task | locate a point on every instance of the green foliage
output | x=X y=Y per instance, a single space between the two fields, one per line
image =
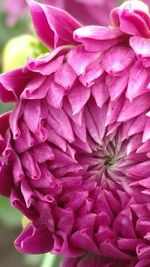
x=5 y=107
x=8 y=215
x=7 y=32
x=50 y=260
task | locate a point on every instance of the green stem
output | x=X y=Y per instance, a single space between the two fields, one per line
x=50 y=261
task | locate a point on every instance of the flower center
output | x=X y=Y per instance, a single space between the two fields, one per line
x=109 y=161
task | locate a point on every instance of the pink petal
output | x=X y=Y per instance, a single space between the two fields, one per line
x=132 y=18
x=79 y=59
x=137 y=125
x=97 y=38
x=34 y=240
x=116 y=85
x=52 y=25
x=55 y=95
x=60 y=122
x=32 y=115
x=114 y=109
x=82 y=240
x=100 y=93
x=78 y=97
x=33 y=91
x=117 y=59
x=138 y=81
x=131 y=110
x=12 y=84
x=141 y=46
x=141 y=169
x=146 y=133
x=65 y=76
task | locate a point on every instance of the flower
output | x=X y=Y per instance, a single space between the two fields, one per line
x=75 y=154
x=88 y=12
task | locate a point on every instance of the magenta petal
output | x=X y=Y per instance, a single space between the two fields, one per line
x=97 y=33
x=46 y=64
x=131 y=110
x=64 y=128
x=143 y=263
x=141 y=169
x=84 y=241
x=117 y=59
x=4 y=123
x=136 y=86
x=116 y=85
x=96 y=261
x=53 y=26
x=141 y=46
x=55 y=95
x=78 y=98
x=132 y=17
x=12 y=84
x=100 y=93
x=146 y=133
x=33 y=89
x=97 y=38
x=69 y=262
x=34 y=240
x=65 y=76
x=6 y=181
x=34 y=122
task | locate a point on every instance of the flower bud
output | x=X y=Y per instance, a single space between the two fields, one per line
x=18 y=49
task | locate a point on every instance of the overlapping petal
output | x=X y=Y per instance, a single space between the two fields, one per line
x=53 y=26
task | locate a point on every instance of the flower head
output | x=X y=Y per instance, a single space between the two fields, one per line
x=75 y=154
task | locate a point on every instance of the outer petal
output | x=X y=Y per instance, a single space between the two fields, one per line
x=141 y=47
x=133 y=18
x=34 y=240
x=5 y=181
x=5 y=175
x=97 y=38
x=53 y=26
x=12 y=84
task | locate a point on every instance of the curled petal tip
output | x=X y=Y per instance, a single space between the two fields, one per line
x=132 y=17
x=136 y=5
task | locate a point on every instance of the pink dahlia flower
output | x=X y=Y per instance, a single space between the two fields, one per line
x=87 y=11
x=75 y=151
